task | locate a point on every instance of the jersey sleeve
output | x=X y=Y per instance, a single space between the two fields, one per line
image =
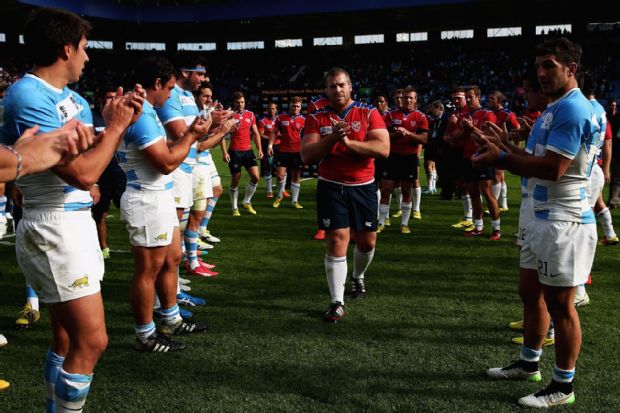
x=312 y=125
x=171 y=110
x=565 y=134
x=423 y=125
x=375 y=120
x=144 y=132
x=512 y=122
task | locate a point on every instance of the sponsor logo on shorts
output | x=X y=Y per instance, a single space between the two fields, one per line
x=162 y=237
x=198 y=194
x=79 y=283
x=177 y=199
x=326 y=222
x=356 y=126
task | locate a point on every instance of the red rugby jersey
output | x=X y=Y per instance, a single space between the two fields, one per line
x=317 y=104
x=290 y=126
x=342 y=165
x=241 y=139
x=415 y=122
x=478 y=117
x=507 y=117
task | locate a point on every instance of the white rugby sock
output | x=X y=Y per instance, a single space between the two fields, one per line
x=295 y=188
x=281 y=186
x=336 y=272
x=417 y=197
x=497 y=189
x=268 y=184
x=384 y=210
x=496 y=224
x=361 y=262
x=250 y=188
x=404 y=218
x=234 y=194
x=467 y=209
x=71 y=391
x=503 y=196
x=604 y=218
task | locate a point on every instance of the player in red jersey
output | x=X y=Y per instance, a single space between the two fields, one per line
x=290 y=126
x=397 y=101
x=508 y=119
x=476 y=181
x=313 y=106
x=344 y=138
x=408 y=129
x=240 y=154
x=454 y=156
x=266 y=130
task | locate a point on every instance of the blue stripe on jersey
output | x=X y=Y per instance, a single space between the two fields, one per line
x=192 y=153
x=77 y=206
x=68 y=188
x=186 y=168
x=583 y=193
x=588 y=217
x=121 y=157
x=134 y=185
x=169 y=185
x=542 y=214
x=540 y=193
x=131 y=175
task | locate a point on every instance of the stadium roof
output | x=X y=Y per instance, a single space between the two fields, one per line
x=210 y=10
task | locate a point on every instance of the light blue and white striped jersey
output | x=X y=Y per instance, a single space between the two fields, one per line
x=142 y=134
x=569 y=128
x=32 y=101
x=601 y=118
x=181 y=105
x=530 y=145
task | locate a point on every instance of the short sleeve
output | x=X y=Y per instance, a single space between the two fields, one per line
x=375 y=120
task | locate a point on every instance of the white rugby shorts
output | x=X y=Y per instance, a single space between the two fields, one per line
x=562 y=252
x=149 y=216
x=59 y=254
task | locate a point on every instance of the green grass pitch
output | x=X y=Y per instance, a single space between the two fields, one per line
x=434 y=320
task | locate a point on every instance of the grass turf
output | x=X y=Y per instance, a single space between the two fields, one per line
x=435 y=318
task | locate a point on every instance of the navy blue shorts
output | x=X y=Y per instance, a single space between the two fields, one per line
x=239 y=159
x=401 y=168
x=112 y=184
x=289 y=160
x=341 y=206
x=471 y=174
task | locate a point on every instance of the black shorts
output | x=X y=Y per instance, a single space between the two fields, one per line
x=267 y=161
x=239 y=159
x=431 y=152
x=471 y=174
x=289 y=160
x=112 y=185
x=341 y=206
x=401 y=168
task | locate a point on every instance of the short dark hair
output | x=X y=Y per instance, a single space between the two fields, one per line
x=335 y=71
x=397 y=92
x=409 y=89
x=436 y=104
x=48 y=30
x=186 y=61
x=205 y=85
x=295 y=99
x=500 y=96
x=563 y=49
x=238 y=95
x=475 y=88
x=152 y=68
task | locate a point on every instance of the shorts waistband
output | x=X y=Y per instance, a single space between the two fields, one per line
x=43 y=215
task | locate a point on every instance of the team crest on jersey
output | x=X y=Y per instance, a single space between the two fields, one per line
x=187 y=100
x=326 y=130
x=326 y=222
x=547 y=120
x=413 y=123
x=356 y=125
